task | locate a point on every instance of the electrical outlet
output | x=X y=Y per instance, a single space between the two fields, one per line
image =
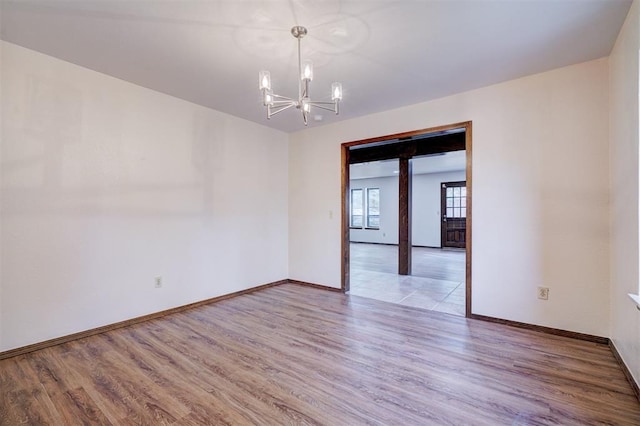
x=158 y=282
x=543 y=293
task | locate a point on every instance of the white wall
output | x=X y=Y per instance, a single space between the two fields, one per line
x=425 y=214
x=624 y=74
x=106 y=185
x=540 y=182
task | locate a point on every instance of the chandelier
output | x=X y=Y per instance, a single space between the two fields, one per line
x=276 y=103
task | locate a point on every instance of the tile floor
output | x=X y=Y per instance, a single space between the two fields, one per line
x=437 y=282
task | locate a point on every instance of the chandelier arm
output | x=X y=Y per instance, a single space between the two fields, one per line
x=283 y=103
x=284 y=98
x=322 y=105
x=314 y=103
x=279 y=108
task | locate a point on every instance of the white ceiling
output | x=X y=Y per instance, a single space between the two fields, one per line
x=446 y=162
x=387 y=54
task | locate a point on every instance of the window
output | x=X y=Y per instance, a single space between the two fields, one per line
x=357 y=209
x=456 y=199
x=373 y=208
x=365 y=208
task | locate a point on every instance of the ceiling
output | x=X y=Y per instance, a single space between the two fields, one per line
x=387 y=54
x=452 y=161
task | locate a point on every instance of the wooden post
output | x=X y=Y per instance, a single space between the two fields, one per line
x=404 y=217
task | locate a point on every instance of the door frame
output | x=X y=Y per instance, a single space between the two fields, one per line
x=345 y=153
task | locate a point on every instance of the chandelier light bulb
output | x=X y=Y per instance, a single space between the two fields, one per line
x=336 y=92
x=265 y=80
x=307 y=70
x=306 y=106
x=268 y=97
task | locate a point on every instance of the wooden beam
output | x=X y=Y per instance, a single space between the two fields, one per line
x=408 y=148
x=404 y=217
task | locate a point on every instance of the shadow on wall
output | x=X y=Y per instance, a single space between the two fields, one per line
x=61 y=156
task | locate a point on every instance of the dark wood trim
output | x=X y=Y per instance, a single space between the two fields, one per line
x=404 y=135
x=82 y=334
x=469 y=236
x=345 y=222
x=404 y=216
x=625 y=369
x=543 y=329
x=320 y=286
x=426 y=145
x=443 y=200
x=467 y=125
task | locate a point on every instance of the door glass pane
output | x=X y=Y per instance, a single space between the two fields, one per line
x=449 y=192
x=456 y=202
x=449 y=212
x=464 y=212
x=449 y=202
x=463 y=191
x=464 y=202
x=456 y=192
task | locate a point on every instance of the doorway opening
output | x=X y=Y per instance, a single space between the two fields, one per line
x=404 y=236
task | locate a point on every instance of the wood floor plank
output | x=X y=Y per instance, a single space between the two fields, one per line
x=185 y=391
x=296 y=387
x=24 y=405
x=296 y=355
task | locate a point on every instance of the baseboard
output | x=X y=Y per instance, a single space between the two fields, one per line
x=542 y=329
x=574 y=335
x=367 y=242
x=625 y=369
x=413 y=245
x=320 y=286
x=80 y=335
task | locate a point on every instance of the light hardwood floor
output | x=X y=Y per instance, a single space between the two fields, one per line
x=437 y=281
x=298 y=355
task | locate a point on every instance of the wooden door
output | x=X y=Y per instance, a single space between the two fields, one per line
x=454 y=214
